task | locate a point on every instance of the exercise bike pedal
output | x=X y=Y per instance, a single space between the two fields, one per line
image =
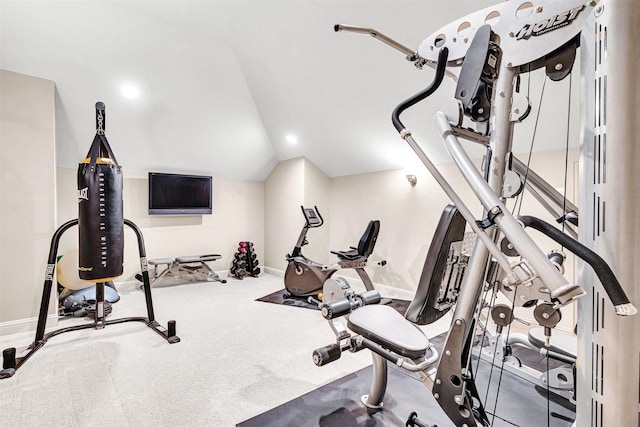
x=317 y=299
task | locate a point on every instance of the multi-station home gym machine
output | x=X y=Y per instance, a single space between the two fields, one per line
x=101 y=239
x=500 y=44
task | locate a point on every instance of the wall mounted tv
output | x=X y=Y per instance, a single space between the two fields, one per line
x=178 y=194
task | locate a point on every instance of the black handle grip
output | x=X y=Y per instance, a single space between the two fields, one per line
x=327 y=354
x=600 y=267
x=336 y=308
x=435 y=84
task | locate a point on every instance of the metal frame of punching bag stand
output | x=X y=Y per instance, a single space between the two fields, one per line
x=11 y=362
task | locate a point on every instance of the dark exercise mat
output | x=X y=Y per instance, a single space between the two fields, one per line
x=338 y=403
x=278 y=298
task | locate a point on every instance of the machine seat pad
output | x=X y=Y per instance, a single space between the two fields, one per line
x=561 y=342
x=201 y=258
x=161 y=261
x=383 y=325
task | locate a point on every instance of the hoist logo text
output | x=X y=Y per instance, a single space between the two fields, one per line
x=550 y=24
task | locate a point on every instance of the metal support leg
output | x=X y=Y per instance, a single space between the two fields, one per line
x=99 y=313
x=373 y=400
x=12 y=360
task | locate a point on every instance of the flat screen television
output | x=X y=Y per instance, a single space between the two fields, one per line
x=178 y=194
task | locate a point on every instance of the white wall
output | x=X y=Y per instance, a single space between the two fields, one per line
x=317 y=190
x=284 y=194
x=294 y=183
x=238 y=208
x=27 y=196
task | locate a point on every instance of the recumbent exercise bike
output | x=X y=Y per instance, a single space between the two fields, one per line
x=304 y=278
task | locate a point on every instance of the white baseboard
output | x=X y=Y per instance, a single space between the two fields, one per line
x=273 y=271
x=26 y=325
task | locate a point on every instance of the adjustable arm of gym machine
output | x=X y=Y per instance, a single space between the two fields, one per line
x=405 y=134
x=606 y=276
x=331 y=353
x=396 y=359
x=411 y=55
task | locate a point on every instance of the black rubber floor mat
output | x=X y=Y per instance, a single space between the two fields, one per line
x=338 y=404
x=278 y=297
x=520 y=403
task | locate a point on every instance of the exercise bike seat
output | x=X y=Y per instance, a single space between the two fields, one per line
x=365 y=246
x=348 y=255
x=383 y=325
x=563 y=343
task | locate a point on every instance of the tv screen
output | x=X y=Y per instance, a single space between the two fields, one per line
x=177 y=194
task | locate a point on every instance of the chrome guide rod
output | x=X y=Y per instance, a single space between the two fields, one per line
x=559 y=287
x=501 y=132
x=376 y=35
x=536 y=181
x=464 y=210
x=411 y=54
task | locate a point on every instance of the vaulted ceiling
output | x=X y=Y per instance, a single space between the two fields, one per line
x=222 y=83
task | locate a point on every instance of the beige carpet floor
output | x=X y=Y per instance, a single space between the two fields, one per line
x=237 y=358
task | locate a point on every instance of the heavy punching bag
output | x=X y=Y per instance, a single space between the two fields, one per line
x=100 y=209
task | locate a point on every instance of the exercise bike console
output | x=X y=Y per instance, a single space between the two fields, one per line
x=313 y=217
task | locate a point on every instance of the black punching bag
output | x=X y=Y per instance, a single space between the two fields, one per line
x=100 y=213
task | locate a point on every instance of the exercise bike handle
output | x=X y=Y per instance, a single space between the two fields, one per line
x=307 y=217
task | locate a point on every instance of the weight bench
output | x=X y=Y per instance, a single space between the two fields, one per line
x=191 y=265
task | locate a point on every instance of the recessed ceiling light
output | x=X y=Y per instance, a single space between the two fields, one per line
x=291 y=139
x=130 y=91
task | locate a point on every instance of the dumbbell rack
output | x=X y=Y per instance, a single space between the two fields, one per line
x=245 y=261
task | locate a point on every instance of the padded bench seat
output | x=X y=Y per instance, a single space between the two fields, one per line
x=385 y=326
x=201 y=258
x=161 y=261
x=185 y=264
